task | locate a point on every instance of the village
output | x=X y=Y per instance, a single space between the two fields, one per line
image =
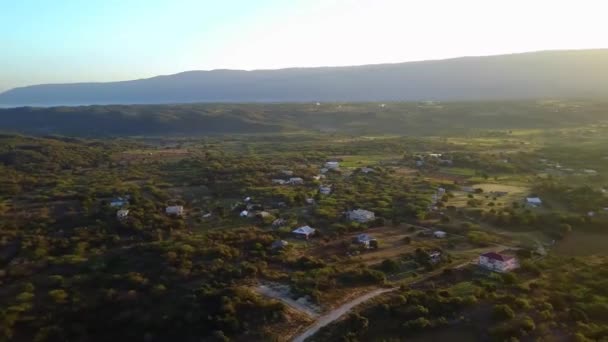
x=320 y=233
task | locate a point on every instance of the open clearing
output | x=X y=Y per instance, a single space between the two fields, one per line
x=582 y=244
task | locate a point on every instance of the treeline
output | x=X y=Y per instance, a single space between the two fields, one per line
x=411 y=118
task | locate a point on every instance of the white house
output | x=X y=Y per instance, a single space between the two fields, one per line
x=361 y=215
x=440 y=234
x=175 y=210
x=332 y=165
x=278 y=181
x=244 y=213
x=296 y=181
x=304 y=232
x=498 y=262
x=325 y=189
x=534 y=201
x=122 y=214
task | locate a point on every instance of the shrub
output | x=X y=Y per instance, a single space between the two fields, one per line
x=503 y=311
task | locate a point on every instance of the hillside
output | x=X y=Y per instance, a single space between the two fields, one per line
x=407 y=118
x=551 y=74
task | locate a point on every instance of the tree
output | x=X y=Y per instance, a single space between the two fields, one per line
x=58 y=295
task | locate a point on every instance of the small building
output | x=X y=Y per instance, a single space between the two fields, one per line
x=332 y=165
x=287 y=172
x=244 y=213
x=325 y=189
x=367 y=170
x=366 y=241
x=310 y=200
x=435 y=257
x=263 y=214
x=279 y=181
x=324 y=170
x=498 y=262
x=119 y=202
x=175 y=210
x=296 y=181
x=534 y=201
x=247 y=199
x=361 y=215
x=279 y=222
x=439 y=234
x=304 y=232
x=279 y=244
x=122 y=214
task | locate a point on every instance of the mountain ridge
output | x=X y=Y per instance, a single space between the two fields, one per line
x=543 y=74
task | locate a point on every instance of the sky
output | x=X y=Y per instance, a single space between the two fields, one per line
x=60 y=41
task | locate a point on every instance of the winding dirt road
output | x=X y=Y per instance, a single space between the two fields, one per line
x=338 y=312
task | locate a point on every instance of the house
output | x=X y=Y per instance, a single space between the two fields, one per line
x=119 y=202
x=332 y=165
x=122 y=214
x=278 y=181
x=304 y=232
x=247 y=199
x=324 y=170
x=419 y=163
x=175 y=210
x=590 y=172
x=319 y=177
x=287 y=172
x=325 y=189
x=244 y=213
x=310 y=200
x=263 y=214
x=435 y=257
x=439 y=234
x=279 y=222
x=279 y=244
x=366 y=241
x=498 y=262
x=367 y=170
x=296 y=181
x=361 y=215
x=533 y=201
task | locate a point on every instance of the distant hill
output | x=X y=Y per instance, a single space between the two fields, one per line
x=401 y=118
x=549 y=74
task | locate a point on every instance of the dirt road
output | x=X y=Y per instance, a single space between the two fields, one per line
x=337 y=313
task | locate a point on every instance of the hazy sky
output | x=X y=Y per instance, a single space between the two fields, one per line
x=50 y=41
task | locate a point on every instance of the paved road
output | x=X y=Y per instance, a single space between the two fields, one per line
x=337 y=313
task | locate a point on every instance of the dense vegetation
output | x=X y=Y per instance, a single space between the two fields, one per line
x=415 y=118
x=555 y=299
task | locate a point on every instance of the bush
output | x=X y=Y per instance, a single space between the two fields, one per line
x=502 y=312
